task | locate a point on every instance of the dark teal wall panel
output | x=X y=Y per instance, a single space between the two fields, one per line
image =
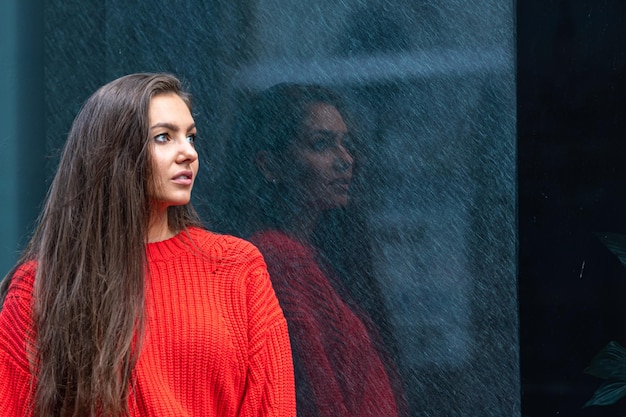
x=8 y=120
x=22 y=141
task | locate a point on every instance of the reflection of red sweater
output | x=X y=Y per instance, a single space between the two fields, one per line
x=339 y=372
x=216 y=341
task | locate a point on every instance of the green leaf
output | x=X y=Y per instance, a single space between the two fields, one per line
x=616 y=242
x=610 y=362
x=609 y=393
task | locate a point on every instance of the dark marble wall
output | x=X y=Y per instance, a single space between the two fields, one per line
x=433 y=85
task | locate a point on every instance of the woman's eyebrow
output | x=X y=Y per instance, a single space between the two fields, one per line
x=327 y=132
x=171 y=126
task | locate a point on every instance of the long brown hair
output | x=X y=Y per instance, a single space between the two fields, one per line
x=90 y=250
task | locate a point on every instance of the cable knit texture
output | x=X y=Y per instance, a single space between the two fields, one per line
x=215 y=344
x=339 y=371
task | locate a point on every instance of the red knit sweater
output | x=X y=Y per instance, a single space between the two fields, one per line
x=215 y=343
x=339 y=370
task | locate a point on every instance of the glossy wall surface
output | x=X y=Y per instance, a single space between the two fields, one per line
x=433 y=88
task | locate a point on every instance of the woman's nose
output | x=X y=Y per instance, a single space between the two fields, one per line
x=343 y=158
x=187 y=152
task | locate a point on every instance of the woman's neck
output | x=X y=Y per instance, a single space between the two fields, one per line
x=159 y=228
x=299 y=224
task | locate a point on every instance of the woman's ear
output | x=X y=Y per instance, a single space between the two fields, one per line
x=266 y=162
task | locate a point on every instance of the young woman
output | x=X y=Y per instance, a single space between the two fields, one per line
x=122 y=304
x=296 y=161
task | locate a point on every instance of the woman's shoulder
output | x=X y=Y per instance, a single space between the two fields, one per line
x=278 y=243
x=222 y=244
x=19 y=294
x=23 y=277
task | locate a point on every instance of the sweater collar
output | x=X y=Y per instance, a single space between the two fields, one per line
x=172 y=247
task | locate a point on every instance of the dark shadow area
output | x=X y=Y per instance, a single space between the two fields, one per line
x=572 y=183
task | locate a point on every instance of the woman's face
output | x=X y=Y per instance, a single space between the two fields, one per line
x=318 y=164
x=175 y=160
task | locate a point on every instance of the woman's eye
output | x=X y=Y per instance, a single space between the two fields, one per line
x=349 y=144
x=191 y=138
x=161 y=138
x=322 y=144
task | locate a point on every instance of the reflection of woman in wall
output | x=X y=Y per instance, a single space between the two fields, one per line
x=296 y=161
x=122 y=305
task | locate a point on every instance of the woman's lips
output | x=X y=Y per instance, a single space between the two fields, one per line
x=183 y=178
x=342 y=183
